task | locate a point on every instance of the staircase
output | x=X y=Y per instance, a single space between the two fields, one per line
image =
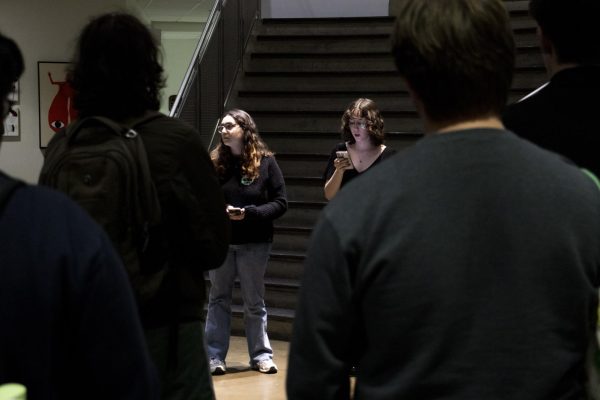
x=298 y=77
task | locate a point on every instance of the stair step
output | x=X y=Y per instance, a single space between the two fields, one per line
x=522 y=24
x=291 y=238
x=529 y=57
x=303 y=45
x=326 y=121
x=354 y=63
x=302 y=142
x=530 y=79
x=300 y=213
x=284 y=266
x=327 y=26
x=299 y=44
x=354 y=54
x=362 y=82
x=517 y=7
x=305 y=188
x=302 y=102
x=302 y=164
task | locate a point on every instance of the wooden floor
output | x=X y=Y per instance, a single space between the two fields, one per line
x=242 y=383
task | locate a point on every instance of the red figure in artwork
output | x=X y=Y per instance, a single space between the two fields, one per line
x=61 y=110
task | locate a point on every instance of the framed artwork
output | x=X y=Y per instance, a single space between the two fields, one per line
x=55 y=99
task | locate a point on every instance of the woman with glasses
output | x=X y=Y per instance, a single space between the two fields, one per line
x=362 y=132
x=255 y=195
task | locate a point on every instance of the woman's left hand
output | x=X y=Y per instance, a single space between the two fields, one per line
x=236 y=215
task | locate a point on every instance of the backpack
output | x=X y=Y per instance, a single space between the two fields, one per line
x=103 y=166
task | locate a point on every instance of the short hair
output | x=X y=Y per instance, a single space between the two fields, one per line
x=11 y=66
x=368 y=110
x=457 y=55
x=571 y=26
x=116 y=71
x=252 y=153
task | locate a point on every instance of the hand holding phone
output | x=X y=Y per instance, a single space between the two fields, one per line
x=235 y=213
x=342 y=160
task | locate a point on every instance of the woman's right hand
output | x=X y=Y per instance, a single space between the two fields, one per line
x=342 y=163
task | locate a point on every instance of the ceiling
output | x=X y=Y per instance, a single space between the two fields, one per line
x=184 y=11
x=176 y=19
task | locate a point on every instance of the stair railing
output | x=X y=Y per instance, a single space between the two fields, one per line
x=211 y=74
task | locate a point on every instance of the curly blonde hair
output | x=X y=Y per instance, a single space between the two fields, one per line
x=254 y=148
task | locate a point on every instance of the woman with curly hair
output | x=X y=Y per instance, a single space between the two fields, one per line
x=362 y=132
x=255 y=195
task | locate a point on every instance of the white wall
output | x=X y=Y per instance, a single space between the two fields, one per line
x=323 y=8
x=177 y=54
x=45 y=31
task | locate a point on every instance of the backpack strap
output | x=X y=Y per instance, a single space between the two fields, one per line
x=73 y=129
x=8 y=186
x=118 y=128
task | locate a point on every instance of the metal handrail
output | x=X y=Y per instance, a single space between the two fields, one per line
x=192 y=70
x=203 y=67
x=534 y=92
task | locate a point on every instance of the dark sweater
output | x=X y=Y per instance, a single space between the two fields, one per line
x=563 y=116
x=465 y=267
x=264 y=200
x=69 y=327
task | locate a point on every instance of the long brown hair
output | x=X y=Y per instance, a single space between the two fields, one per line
x=254 y=148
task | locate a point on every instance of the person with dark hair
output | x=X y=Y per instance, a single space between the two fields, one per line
x=116 y=73
x=70 y=328
x=363 y=146
x=471 y=264
x=255 y=196
x=561 y=116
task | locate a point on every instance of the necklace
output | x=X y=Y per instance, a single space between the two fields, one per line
x=246 y=181
x=364 y=153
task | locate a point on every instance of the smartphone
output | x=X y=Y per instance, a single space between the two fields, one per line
x=234 y=211
x=341 y=154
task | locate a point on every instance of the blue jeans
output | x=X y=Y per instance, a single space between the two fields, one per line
x=248 y=262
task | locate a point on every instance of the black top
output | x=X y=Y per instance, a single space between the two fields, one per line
x=351 y=173
x=563 y=116
x=264 y=200
x=465 y=267
x=69 y=327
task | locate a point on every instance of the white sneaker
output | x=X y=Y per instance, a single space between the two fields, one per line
x=217 y=367
x=265 y=366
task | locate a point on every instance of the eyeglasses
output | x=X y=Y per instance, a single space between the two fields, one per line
x=360 y=123
x=226 y=127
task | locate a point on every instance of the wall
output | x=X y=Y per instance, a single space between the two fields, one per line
x=178 y=49
x=45 y=31
x=321 y=8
